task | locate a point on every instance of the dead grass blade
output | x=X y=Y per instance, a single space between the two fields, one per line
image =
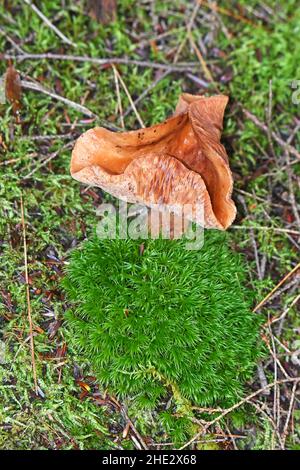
x=28 y=299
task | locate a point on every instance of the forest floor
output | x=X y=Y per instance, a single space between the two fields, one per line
x=243 y=49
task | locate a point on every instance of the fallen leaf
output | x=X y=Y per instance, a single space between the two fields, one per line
x=13 y=90
x=57 y=354
x=103 y=11
x=84 y=386
x=83 y=395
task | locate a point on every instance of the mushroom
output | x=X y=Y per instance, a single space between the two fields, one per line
x=180 y=161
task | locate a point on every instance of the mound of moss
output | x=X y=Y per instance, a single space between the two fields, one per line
x=164 y=318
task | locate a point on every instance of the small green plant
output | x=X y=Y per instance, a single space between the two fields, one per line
x=164 y=318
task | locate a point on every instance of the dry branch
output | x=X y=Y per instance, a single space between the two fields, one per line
x=279 y=140
x=49 y=24
x=295 y=269
x=237 y=405
x=179 y=67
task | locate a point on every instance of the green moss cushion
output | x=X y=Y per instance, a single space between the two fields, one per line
x=164 y=316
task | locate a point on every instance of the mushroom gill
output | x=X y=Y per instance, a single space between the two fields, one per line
x=179 y=161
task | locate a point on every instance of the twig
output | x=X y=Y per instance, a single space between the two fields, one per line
x=253 y=240
x=237 y=405
x=38 y=138
x=283 y=346
x=48 y=159
x=276 y=398
x=180 y=67
x=49 y=24
x=269 y=119
x=294 y=133
x=145 y=92
x=271 y=421
x=227 y=33
x=207 y=410
x=206 y=70
x=35 y=87
x=141 y=440
x=295 y=269
x=169 y=69
x=118 y=96
x=257 y=227
x=278 y=139
x=123 y=411
x=231 y=14
x=272 y=221
x=153 y=15
x=262 y=378
x=276 y=360
x=232 y=437
x=136 y=442
x=189 y=37
x=8 y=162
x=258 y=198
x=288 y=286
x=292 y=401
x=148 y=40
x=202 y=83
x=291 y=191
x=285 y=312
x=12 y=42
x=130 y=99
x=28 y=298
x=189 y=27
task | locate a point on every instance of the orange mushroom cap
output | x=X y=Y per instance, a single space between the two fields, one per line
x=180 y=161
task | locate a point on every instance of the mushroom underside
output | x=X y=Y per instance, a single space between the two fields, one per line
x=150 y=165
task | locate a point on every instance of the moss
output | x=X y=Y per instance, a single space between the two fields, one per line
x=59 y=214
x=169 y=316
